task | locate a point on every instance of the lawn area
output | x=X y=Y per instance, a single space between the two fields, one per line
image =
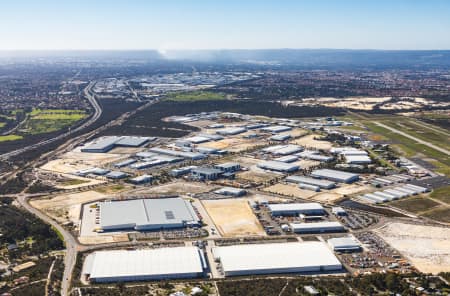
x=442 y=194
x=196 y=96
x=416 y=204
x=10 y=138
x=48 y=120
x=2 y=124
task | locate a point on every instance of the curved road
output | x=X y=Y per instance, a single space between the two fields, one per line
x=97 y=114
x=72 y=245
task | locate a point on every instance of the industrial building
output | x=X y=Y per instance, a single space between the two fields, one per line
x=143 y=265
x=324 y=184
x=275 y=258
x=105 y=144
x=116 y=175
x=228 y=167
x=335 y=175
x=147 y=214
x=283 y=149
x=280 y=138
x=205 y=173
x=276 y=129
x=316 y=227
x=125 y=163
x=141 y=179
x=357 y=159
x=287 y=158
x=278 y=166
x=182 y=171
x=344 y=244
x=176 y=153
x=230 y=131
x=231 y=191
x=294 y=209
x=394 y=193
x=314 y=155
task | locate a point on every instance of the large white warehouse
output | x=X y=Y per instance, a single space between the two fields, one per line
x=316 y=227
x=147 y=214
x=148 y=264
x=272 y=258
x=335 y=175
x=291 y=209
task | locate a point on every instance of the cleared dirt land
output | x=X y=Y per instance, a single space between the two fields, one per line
x=178 y=187
x=66 y=207
x=427 y=247
x=290 y=190
x=309 y=142
x=233 y=217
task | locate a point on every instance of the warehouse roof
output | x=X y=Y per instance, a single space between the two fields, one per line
x=311 y=206
x=109 y=142
x=142 y=212
x=149 y=262
x=267 y=258
x=311 y=181
x=341 y=243
x=278 y=166
x=276 y=128
x=327 y=173
x=316 y=225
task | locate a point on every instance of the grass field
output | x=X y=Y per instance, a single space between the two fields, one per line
x=48 y=120
x=409 y=147
x=196 y=96
x=440 y=214
x=442 y=194
x=10 y=138
x=415 y=204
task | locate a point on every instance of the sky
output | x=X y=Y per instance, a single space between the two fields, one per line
x=223 y=24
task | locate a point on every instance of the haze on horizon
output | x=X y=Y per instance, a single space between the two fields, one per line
x=202 y=24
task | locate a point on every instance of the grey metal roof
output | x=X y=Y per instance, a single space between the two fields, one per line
x=311 y=181
x=146 y=212
x=327 y=173
x=278 y=166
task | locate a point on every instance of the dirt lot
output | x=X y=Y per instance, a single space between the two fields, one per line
x=233 y=144
x=66 y=207
x=309 y=142
x=74 y=182
x=427 y=247
x=327 y=197
x=233 y=217
x=291 y=190
x=178 y=187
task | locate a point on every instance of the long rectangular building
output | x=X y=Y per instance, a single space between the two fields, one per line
x=142 y=265
x=335 y=175
x=311 y=181
x=316 y=227
x=290 y=209
x=276 y=258
x=147 y=214
x=278 y=166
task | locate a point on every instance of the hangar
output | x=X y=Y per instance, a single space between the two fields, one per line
x=146 y=264
x=147 y=214
x=273 y=258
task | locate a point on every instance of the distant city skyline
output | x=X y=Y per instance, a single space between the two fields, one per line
x=202 y=24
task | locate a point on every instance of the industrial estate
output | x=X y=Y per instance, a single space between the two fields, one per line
x=198 y=185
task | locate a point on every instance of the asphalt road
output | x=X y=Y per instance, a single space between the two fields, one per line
x=440 y=149
x=94 y=117
x=72 y=245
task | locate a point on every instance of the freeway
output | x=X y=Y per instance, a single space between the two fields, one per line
x=91 y=120
x=440 y=149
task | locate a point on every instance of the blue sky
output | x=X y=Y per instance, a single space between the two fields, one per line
x=214 y=24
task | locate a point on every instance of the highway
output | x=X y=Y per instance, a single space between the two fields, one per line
x=440 y=149
x=91 y=120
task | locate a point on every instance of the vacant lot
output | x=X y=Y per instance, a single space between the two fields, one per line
x=309 y=142
x=427 y=247
x=66 y=207
x=196 y=96
x=416 y=204
x=442 y=194
x=290 y=190
x=233 y=217
x=440 y=214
